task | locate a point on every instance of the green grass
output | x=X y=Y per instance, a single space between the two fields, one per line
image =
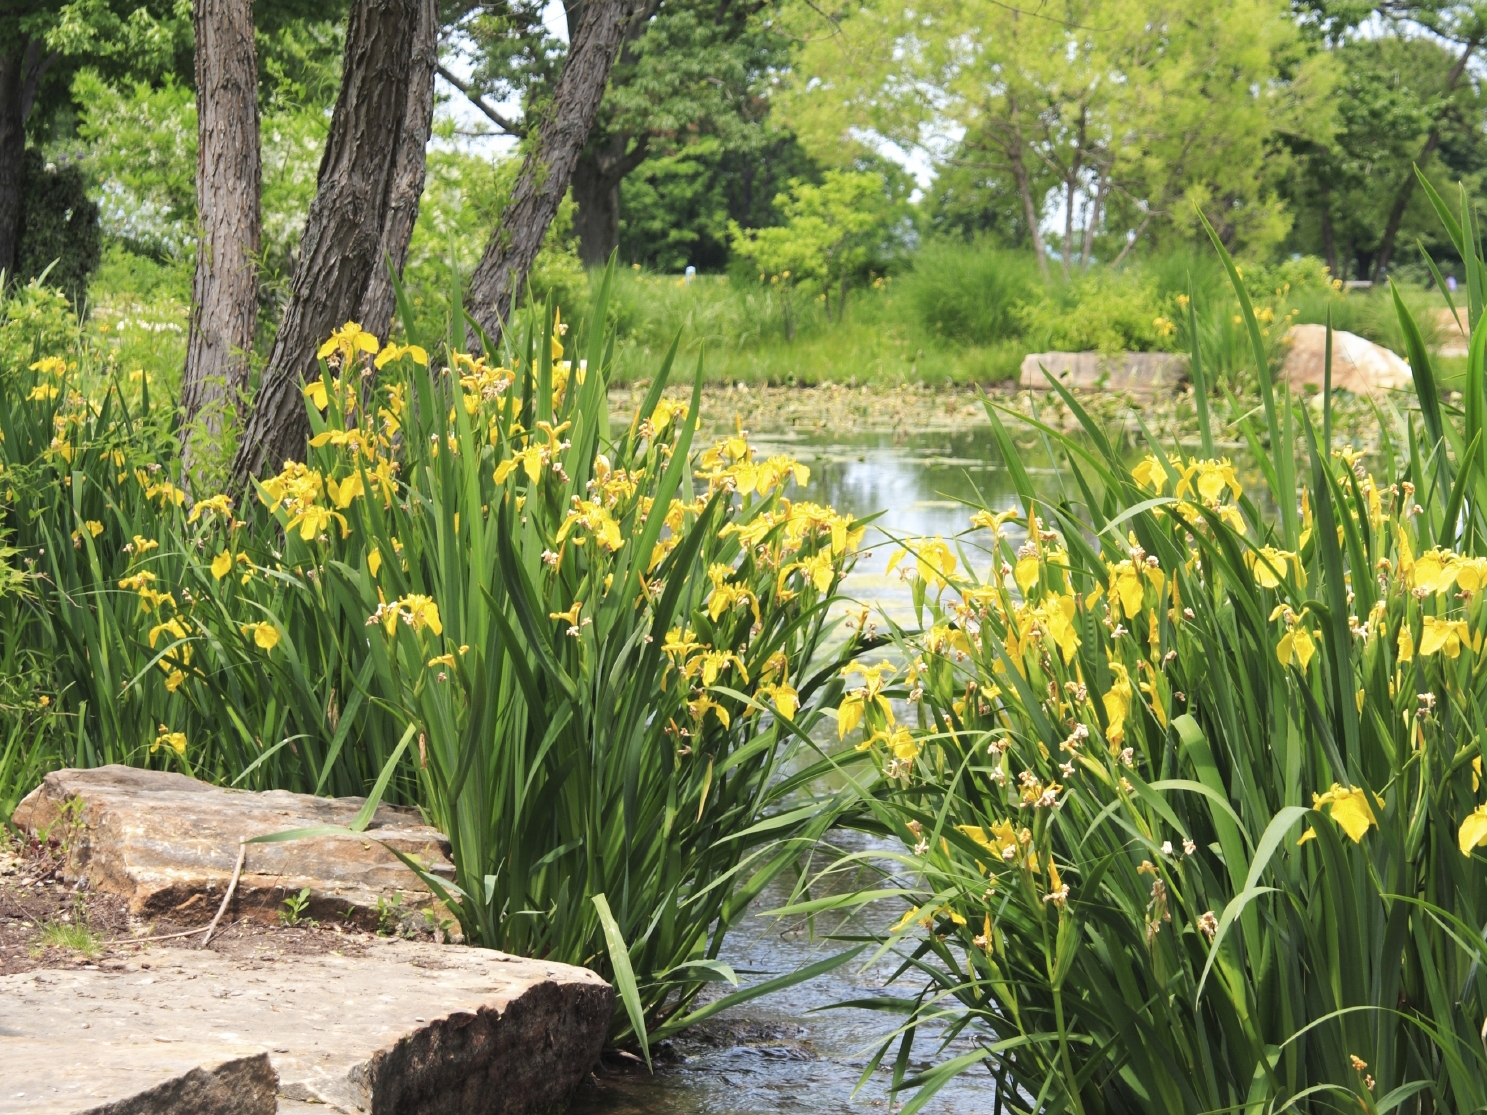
x=740 y=328
x=70 y=935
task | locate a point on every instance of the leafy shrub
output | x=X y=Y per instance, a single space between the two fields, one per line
x=58 y=234
x=833 y=234
x=1101 y=311
x=35 y=321
x=968 y=294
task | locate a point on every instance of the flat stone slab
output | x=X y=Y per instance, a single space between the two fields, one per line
x=1138 y=373
x=169 y=843
x=407 y=1027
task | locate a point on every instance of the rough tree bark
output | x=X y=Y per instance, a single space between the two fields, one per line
x=1407 y=186
x=224 y=293
x=548 y=166
x=597 y=175
x=343 y=232
x=411 y=160
x=21 y=72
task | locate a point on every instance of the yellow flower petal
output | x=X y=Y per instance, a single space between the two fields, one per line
x=1473 y=830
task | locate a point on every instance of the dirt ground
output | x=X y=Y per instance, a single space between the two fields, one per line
x=48 y=922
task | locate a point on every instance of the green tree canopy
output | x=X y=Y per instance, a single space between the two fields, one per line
x=1120 y=116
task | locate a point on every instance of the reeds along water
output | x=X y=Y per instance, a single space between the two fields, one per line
x=1189 y=795
x=588 y=651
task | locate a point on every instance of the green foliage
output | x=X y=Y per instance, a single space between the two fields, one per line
x=58 y=233
x=969 y=293
x=141 y=147
x=675 y=209
x=35 y=321
x=138 y=143
x=833 y=234
x=127 y=35
x=1190 y=815
x=295 y=905
x=691 y=85
x=1392 y=94
x=463 y=198
x=1107 y=108
x=1101 y=311
x=126 y=40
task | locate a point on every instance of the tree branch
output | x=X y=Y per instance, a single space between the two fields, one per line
x=511 y=128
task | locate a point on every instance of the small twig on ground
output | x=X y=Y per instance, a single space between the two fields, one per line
x=226 y=898
x=162 y=937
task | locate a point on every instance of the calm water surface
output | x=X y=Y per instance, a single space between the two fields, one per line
x=784 y=1053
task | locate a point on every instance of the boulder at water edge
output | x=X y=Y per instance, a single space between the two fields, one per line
x=1358 y=365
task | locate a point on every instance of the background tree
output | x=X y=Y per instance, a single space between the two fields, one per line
x=676 y=209
x=1131 y=112
x=1409 y=95
x=547 y=168
x=689 y=72
x=42 y=44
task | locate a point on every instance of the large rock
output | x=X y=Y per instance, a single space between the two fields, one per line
x=49 y=1078
x=168 y=844
x=1452 y=339
x=1139 y=373
x=407 y=1027
x=1358 y=365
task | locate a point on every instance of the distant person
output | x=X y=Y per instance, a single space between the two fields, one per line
x=1451 y=283
x=692 y=274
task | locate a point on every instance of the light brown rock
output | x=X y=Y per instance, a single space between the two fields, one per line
x=47 y=1078
x=169 y=843
x=1451 y=339
x=1139 y=373
x=1358 y=365
x=408 y=1027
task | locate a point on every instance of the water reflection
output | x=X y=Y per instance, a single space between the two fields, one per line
x=923 y=485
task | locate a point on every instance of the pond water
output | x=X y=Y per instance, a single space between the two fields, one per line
x=784 y=1053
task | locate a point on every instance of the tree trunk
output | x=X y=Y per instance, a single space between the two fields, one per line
x=343 y=232
x=600 y=169
x=224 y=293
x=1329 y=241
x=1407 y=186
x=20 y=74
x=380 y=300
x=548 y=167
x=1092 y=222
x=1029 y=211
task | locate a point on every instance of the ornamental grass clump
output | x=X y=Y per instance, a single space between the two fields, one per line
x=589 y=654
x=1192 y=809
